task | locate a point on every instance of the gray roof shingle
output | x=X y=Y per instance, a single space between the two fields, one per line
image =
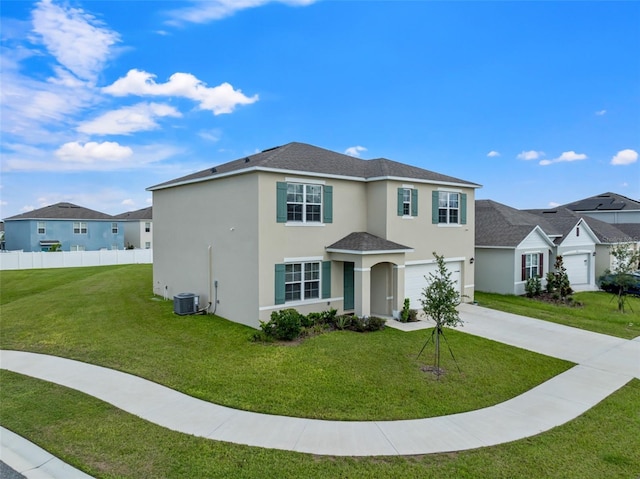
x=305 y=158
x=364 y=242
x=604 y=202
x=62 y=211
x=142 y=214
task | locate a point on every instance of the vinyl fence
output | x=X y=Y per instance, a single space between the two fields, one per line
x=73 y=259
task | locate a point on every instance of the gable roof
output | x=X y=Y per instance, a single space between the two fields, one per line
x=363 y=243
x=62 y=211
x=564 y=219
x=501 y=225
x=315 y=161
x=604 y=202
x=141 y=214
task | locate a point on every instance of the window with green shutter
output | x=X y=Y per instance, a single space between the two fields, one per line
x=304 y=203
x=407 y=202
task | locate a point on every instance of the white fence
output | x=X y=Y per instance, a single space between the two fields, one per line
x=73 y=259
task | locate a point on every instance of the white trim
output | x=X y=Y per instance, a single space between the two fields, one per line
x=362 y=270
x=303 y=259
x=398 y=266
x=363 y=253
x=469 y=286
x=215 y=176
x=291 y=304
x=577 y=252
x=289 y=179
x=432 y=261
x=304 y=223
x=408 y=187
x=449 y=190
x=450 y=225
x=496 y=247
x=407 y=217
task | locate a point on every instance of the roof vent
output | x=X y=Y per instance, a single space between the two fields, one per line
x=214 y=170
x=246 y=160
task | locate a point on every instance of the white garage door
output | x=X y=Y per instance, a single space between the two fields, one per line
x=415 y=282
x=577 y=266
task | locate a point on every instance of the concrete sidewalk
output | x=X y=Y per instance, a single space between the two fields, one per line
x=604 y=365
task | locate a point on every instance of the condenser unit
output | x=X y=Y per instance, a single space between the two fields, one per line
x=185 y=303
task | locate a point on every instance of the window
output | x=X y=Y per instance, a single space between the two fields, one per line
x=449 y=208
x=80 y=228
x=532 y=265
x=77 y=247
x=407 y=201
x=306 y=280
x=114 y=228
x=302 y=281
x=147 y=245
x=302 y=203
x=41 y=228
x=147 y=227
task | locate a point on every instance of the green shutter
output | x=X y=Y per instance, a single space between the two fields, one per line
x=400 y=201
x=328 y=204
x=463 y=208
x=326 y=279
x=414 y=202
x=281 y=202
x=435 y=198
x=279 y=284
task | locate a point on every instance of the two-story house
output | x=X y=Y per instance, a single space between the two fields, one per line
x=63 y=226
x=304 y=227
x=137 y=228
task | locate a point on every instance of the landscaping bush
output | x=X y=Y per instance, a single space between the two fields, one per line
x=533 y=287
x=285 y=324
x=342 y=322
x=404 y=314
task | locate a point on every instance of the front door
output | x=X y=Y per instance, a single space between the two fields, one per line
x=349 y=302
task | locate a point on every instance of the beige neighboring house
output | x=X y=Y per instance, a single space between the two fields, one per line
x=304 y=227
x=138 y=231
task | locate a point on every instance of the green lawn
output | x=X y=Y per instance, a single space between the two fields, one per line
x=599 y=312
x=108 y=316
x=108 y=443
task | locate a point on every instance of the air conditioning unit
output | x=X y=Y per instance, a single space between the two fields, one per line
x=185 y=303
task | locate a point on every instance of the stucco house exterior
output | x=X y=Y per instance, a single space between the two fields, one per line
x=304 y=227
x=72 y=227
x=137 y=225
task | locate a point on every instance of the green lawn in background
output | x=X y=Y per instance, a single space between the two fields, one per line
x=598 y=313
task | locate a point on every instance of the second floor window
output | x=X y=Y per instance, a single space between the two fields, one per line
x=448 y=207
x=79 y=228
x=304 y=202
x=41 y=228
x=114 y=228
x=147 y=227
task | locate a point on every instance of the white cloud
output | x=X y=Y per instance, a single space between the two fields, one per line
x=219 y=99
x=213 y=135
x=625 y=157
x=566 y=157
x=530 y=155
x=74 y=37
x=601 y=112
x=91 y=152
x=128 y=202
x=493 y=154
x=553 y=204
x=204 y=12
x=140 y=117
x=355 y=150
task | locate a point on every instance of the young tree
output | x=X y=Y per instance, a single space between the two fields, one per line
x=558 y=280
x=626 y=262
x=440 y=298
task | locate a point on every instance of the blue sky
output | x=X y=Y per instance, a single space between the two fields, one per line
x=537 y=101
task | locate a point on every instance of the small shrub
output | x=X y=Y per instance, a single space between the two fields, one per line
x=366 y=323
x=413 y=315
x=342 y=322
x=358 y=324
x=533 y=287
x=285 y=324
x=311 y=319
x=329 y=316
x=404 y=314
x=374 y=323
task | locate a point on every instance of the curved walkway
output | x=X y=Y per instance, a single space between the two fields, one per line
x=604 y=364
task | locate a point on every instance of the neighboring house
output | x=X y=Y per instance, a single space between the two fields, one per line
x=72 y=227
x=576 y=242
x=511 y=247
x=1 y=235
x=303 y=227
x=608 y=207
x=137 y=228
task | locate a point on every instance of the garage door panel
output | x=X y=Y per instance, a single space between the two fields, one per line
x=577 y=266
x=416 y=279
